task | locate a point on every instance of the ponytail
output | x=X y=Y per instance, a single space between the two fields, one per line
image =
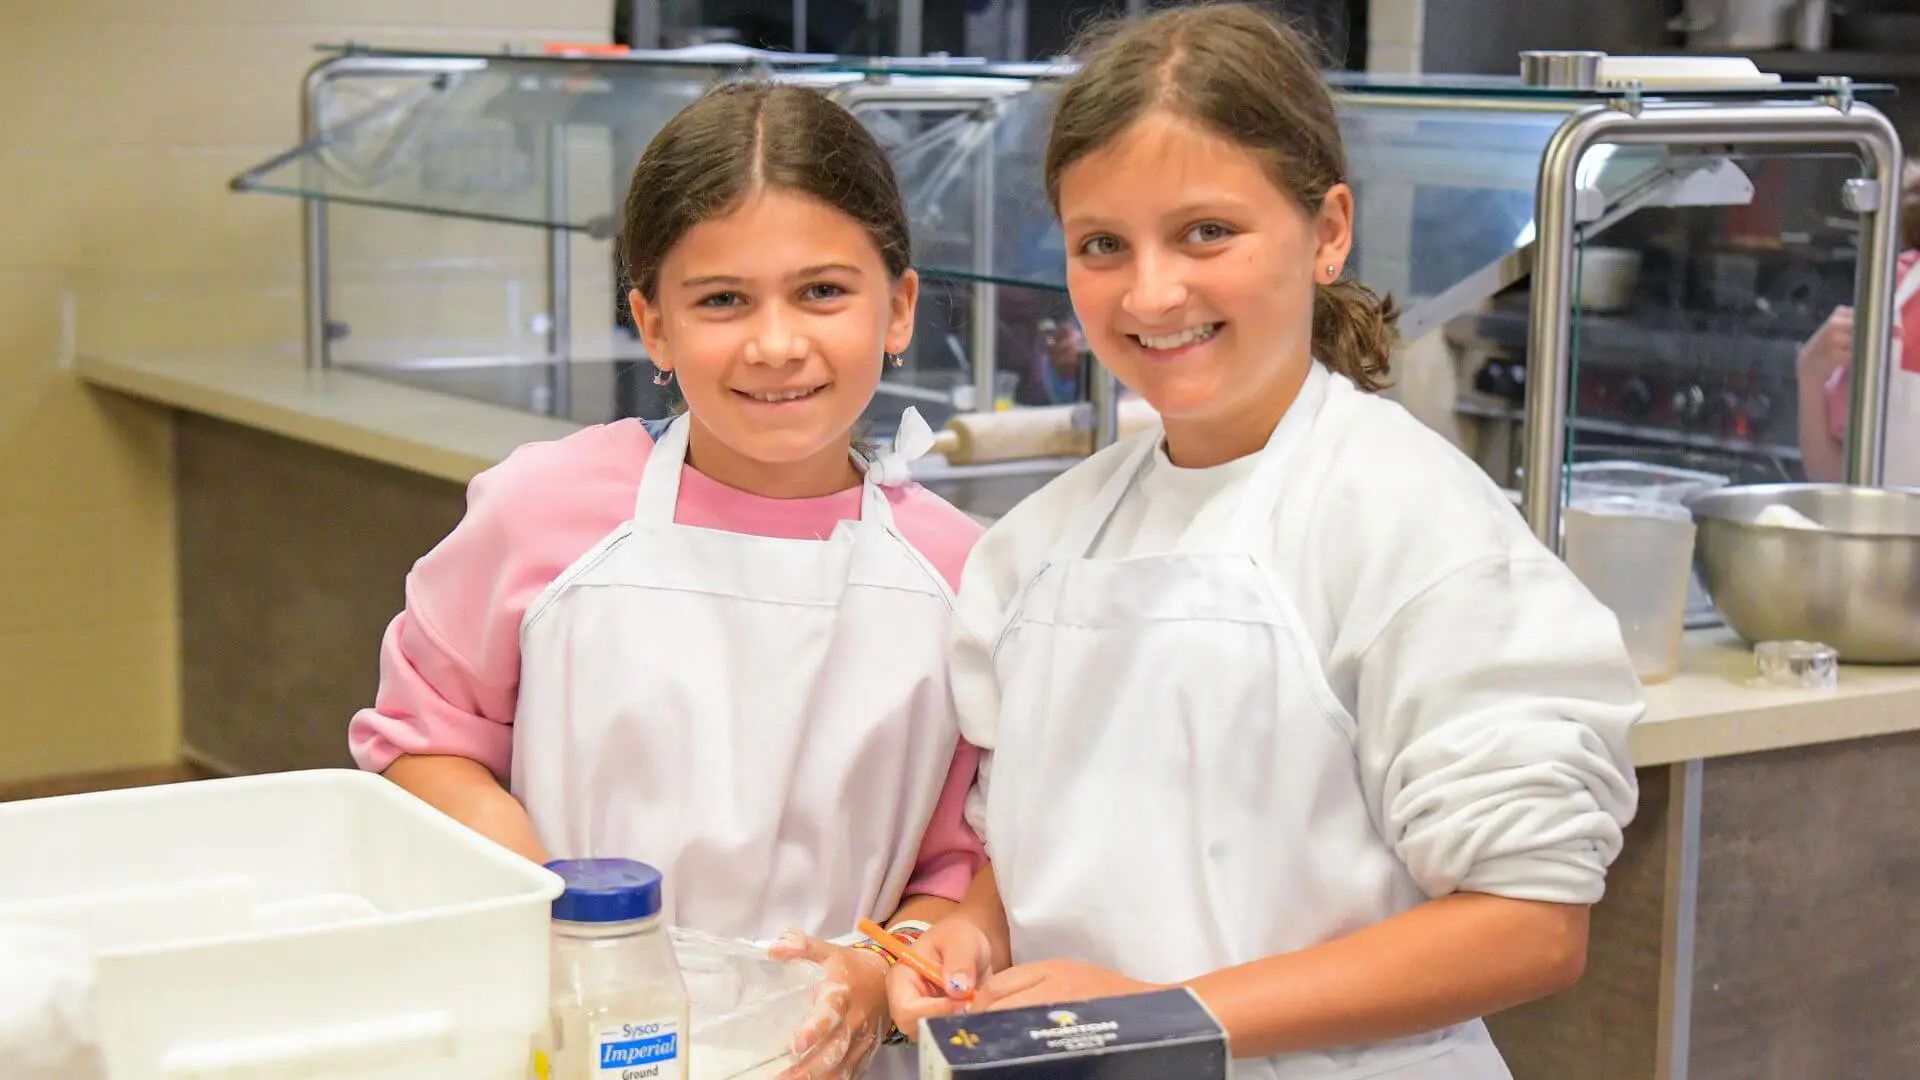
x=1353 y=332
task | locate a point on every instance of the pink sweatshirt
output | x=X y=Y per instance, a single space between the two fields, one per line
x=450 y=662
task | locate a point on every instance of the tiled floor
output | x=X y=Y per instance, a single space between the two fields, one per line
x=73 y=785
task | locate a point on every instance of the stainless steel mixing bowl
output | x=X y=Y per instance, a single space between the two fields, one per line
x=1853 y=584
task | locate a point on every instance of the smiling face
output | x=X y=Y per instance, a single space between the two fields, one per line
x=1193 y=277
x=773 y=317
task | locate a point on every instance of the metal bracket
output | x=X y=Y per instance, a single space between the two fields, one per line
x=1860 y=195
x=1629 y=102
x=1589 y=204
x=1714 y=182
x=1840 y=94
x=1718 y=128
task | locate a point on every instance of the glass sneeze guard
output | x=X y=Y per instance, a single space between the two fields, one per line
x=1447 y=169
x=1444 y=167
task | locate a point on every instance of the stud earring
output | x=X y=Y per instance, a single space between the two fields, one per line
x=1333 y=271
x=894 y=359
x=662 y=377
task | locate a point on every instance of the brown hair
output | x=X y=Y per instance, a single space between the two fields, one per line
x=1245 y=75
x=745 y=136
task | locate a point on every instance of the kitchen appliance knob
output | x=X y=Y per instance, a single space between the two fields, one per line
x=1689 y=403
x=1636 y=399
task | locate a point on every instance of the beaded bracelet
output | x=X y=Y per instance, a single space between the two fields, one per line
x=909 y=933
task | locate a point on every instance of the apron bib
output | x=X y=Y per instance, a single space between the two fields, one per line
x=1902 y=455
x=1175 y=788
x=767 y=721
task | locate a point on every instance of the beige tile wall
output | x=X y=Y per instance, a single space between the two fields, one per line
x=120 y=124
x=1395 y=30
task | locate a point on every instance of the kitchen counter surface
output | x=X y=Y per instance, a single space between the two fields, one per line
x=432 y=434
x=1709 y=710
x=1706 y=711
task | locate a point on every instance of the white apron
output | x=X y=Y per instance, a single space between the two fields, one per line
x=1175 y=788
x=767 y=721
x=1902 y=453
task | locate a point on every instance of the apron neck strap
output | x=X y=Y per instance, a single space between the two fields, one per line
x=1905 y=289
x=1078 y=541
x=659 y=490
x=1257 y=502
x=1262 y=494
x=874 y=507
x=659 y=494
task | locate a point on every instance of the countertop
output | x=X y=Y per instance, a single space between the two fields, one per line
x=433 y=434
x=1706 y=711
x=1709 y=710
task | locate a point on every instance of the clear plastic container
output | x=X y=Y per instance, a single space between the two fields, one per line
x=1653 y=483
x=745 y=1007
x=1005 y=383
x=619 y=1003
x=1796 y=665
x=1636 y=556
x=1635 y=479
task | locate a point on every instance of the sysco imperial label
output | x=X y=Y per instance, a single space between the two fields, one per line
x=639 y=1052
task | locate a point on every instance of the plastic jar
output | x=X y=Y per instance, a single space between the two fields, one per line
x=619 y=1003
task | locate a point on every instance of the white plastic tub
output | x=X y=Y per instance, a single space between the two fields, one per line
x=317 y=924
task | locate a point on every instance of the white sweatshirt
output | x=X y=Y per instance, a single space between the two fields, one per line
x=1492 y=692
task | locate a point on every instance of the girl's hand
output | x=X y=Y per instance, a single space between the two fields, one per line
x=954 y=945
x=1048 y=982
x=849 y=1015
x=1828 y=350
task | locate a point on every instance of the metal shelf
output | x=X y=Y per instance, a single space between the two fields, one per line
x=1857 y=64
x=1487 y=410
x=1627 y=340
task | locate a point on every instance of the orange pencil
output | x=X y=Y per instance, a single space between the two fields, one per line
x=899 y=951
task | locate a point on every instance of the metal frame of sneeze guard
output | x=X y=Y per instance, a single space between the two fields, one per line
x=1836 y=120
x=313 y=210
x=929 y=90
x=984 y=98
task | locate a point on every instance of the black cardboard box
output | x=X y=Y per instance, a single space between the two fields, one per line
x=1164 y=1035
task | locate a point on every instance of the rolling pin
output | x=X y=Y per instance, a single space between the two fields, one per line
x=1042 y=431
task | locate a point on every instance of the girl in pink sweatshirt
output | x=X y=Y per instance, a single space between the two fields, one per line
x=718 y=644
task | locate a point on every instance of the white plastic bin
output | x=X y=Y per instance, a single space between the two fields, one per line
x=1636 y=557
x=316 y=924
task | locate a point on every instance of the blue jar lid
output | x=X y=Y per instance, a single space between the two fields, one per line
x=606 y=890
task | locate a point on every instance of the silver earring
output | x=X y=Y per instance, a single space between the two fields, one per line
x=894 y=359
x=1333 y=271
x=662 y=377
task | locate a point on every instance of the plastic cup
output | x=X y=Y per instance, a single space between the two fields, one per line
x=1636 y=556
x=1005 y=384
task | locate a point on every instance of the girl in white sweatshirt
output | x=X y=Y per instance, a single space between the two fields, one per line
x=1283 y=702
